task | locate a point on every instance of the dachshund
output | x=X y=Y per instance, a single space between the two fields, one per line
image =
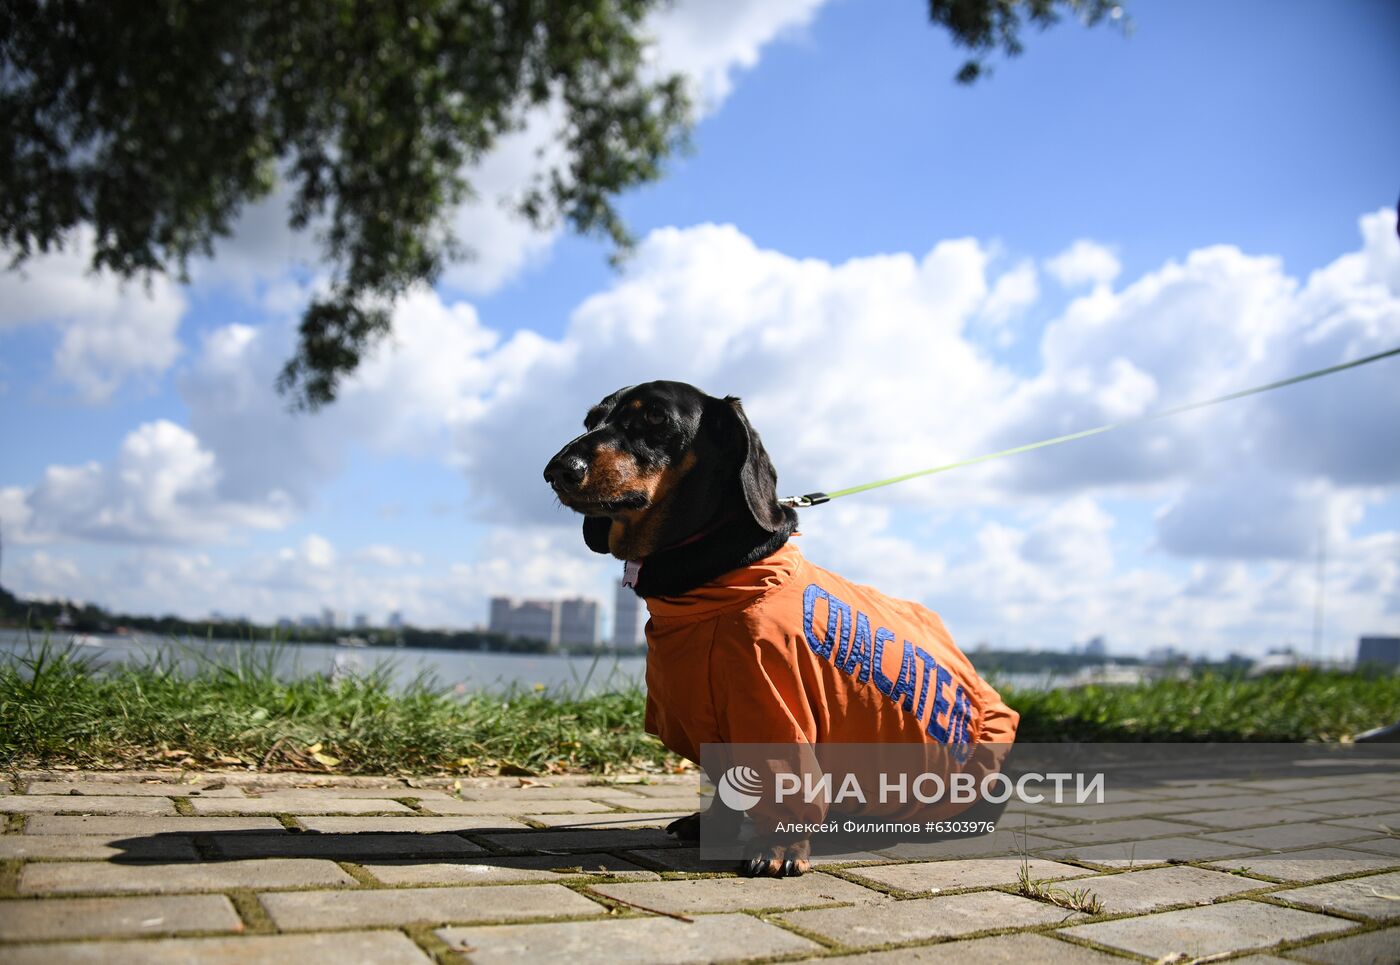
x=749 y=643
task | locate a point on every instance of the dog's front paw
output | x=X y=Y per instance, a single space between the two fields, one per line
x=771 y=858
x=686 y=828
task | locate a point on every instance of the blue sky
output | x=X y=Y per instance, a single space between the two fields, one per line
x=892 y=270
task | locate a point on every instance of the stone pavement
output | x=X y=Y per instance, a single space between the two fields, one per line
x=247 y=867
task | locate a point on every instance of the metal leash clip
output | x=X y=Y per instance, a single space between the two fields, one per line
x=802 y=502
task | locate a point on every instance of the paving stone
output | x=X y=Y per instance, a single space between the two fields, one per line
x=692 y=788
x=1131 y=853
x=1368 y=789
x=350 y=847
x=1018 y=949
x=1349 y=807
x=542 y=806
x=1131 y=829
x=1281 y=837
x=1375 y=896
x=411 y=824
x=1308 y=865
x=1372 y=948
x=1001 y=843
x=701 y=895
x=494 y=870
x=1192 y=790
x=105 y=789
x=1320 y=787
x=1250 y=817
x=299 y=804
x=25 y=920
x=84 y=876
x=665 y=941
x=1372 y=822
x=688 y=805
x=342 y=793
x=1153 y=888
x=85 y=804
x=165 y=848
x=1387 y=845
x=571 y=792
x=1104 y=812
x=923 y=918
x=124 y=827
x=1215 y=929
x=309 y=910
x=688 y=859
x=964 y=873
x=582 y=839
x=611 y=820
x=1244 y=801
x=341 y=948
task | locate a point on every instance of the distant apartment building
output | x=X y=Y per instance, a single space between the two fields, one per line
x=571 y=624
x=578 y=624
x=1096 y=648
x=396 y=620
x=628 y=619
x=1382 y=651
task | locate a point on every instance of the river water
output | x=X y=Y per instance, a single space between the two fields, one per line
x=463 y=670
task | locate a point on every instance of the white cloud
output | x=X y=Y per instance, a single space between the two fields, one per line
x=391 y=557
x=110 y=331
x=1084 y=262
x=160 y=488
x=711 y=40
x=1013 y=293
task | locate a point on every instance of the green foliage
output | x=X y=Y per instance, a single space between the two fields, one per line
x=55 y=708
x=984 y=25
x=154 y=122
x=1301 y=705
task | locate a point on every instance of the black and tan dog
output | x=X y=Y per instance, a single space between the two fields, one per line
x=748 y=643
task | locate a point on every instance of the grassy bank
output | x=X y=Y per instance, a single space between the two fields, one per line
x=55 y=710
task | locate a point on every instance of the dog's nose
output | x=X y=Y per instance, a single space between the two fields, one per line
x=565 y=470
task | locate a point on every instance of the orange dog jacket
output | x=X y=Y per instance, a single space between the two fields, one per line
x=783 y=651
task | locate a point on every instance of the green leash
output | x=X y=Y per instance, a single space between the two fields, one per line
x=816 y=499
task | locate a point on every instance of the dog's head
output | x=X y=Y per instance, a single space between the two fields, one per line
x=660 y=462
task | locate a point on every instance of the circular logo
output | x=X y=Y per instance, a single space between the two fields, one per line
x=740 y=787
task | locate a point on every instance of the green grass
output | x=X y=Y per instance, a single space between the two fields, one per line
x=1301 y=705
x=55 y=709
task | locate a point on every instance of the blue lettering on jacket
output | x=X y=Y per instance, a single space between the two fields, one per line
x=940 y=703
x=929 y=664
x=859 y=655
x=904 y=686
x=877 y=661
x=809 y=602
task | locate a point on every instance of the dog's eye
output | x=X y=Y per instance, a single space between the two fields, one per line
x=654 y=417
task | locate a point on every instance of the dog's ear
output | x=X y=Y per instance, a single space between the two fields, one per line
x=595 y=533
x=757 y=477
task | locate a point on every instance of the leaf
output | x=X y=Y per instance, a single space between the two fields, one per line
x=530 y=782
x=314 y=749
x=325 y=759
